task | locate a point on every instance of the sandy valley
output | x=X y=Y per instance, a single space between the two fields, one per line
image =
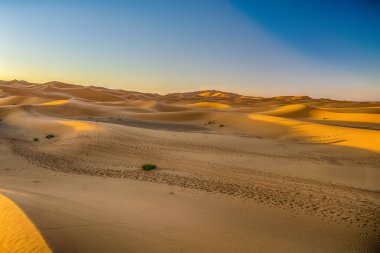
x=235 y=173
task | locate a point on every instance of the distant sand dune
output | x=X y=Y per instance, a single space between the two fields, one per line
x=56 y=102
x=298 y=117
x=21 y=100
x=291 y=111
x=212 y=105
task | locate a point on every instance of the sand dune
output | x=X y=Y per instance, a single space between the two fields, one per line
x=56 y=102
x=373 y=110
x=323 y=134
x=211 y=105
x=285 y=161
x=17 y=232
x=21 y=100
x=308 y=112
x=291 y=111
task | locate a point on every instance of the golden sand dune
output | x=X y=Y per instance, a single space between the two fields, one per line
x=17 y=232
x=213 y=94
x=211 y=105
x=325 y=134
x=371 y=110
x=21 y=100
x=198 y=108
x=310 y=164
x=308 y=112
x=294 y=110
x=79 y=126
x=347 y=117
x=56 y=102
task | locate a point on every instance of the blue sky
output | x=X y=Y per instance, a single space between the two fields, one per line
x=265 y=48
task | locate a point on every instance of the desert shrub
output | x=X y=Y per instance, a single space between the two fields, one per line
x=36 y=139
x=221 y=125
x=50 y=136
x=148 y=167
x=211 y=122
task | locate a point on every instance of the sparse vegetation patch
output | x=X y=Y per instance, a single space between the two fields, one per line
x=36 y=139
x=149 y=167
x=50 y=136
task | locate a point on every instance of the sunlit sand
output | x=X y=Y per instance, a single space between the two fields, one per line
x=324 y=134
x=56 y=102
x=213 y=105
x=17 y=232
x=78 y=126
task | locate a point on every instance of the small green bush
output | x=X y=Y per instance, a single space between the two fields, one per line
x=50 y=136
x=148 y=167
x=36 y=139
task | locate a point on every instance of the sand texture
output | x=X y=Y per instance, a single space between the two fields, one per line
x=235 y=173
x=17 y=232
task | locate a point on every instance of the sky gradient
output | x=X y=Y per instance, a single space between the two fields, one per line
x=263 y=48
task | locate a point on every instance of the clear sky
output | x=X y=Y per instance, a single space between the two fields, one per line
x=320 y=48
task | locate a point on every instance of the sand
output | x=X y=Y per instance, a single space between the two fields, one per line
x=17 y=232
x=235 y=173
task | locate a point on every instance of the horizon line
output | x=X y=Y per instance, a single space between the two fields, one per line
x=210 y=89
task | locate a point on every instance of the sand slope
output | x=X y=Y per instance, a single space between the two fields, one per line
x=17 y=232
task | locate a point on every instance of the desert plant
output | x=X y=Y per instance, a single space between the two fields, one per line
x=221 y=125
x=211 y=122
x=149 y=167
x=36 y=139
x=50 y=136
